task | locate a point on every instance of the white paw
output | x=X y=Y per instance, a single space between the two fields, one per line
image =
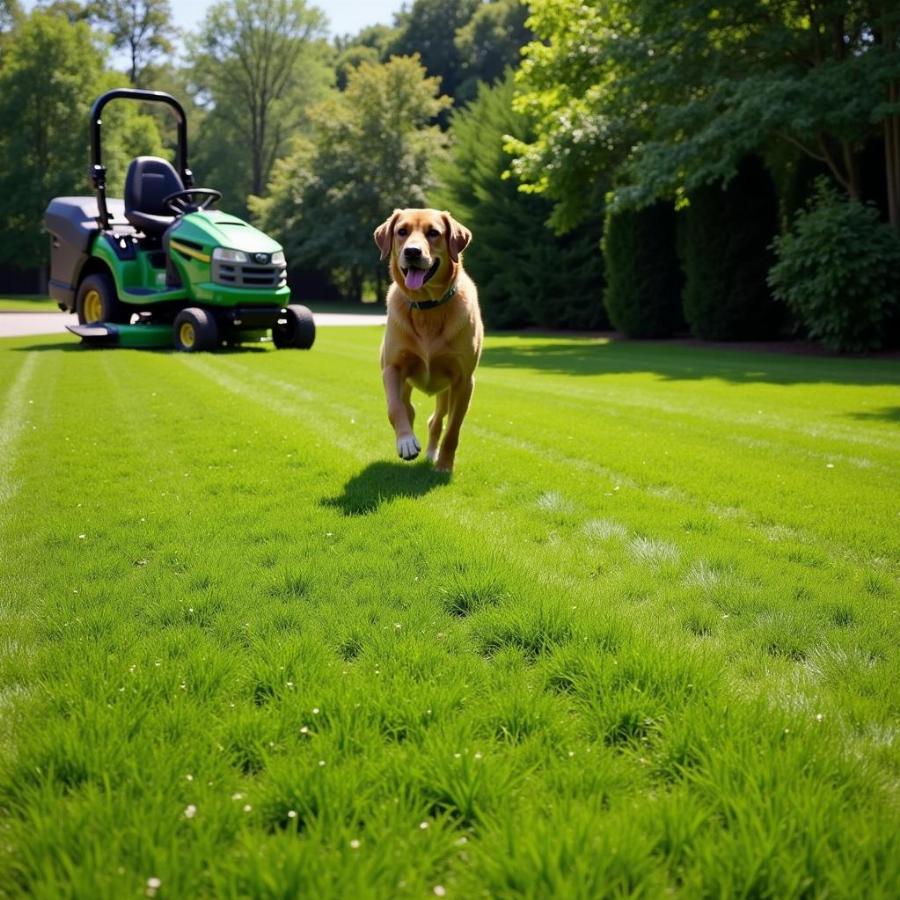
x=431 y=455
x=408 y=447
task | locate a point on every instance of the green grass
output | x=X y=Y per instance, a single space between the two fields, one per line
x=27 y=303
x=643 y=643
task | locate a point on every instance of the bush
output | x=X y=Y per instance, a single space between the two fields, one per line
x=643 y=279
x=725 y=249
x=838 y=270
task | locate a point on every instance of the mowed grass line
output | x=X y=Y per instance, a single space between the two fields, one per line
x=643 y=641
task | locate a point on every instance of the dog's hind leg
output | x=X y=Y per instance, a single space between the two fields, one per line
x=460 y=396
x=436 y=424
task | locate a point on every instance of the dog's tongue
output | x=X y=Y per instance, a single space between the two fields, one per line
x=415 y=278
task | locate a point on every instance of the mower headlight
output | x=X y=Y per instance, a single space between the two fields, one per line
x=237 y=256
x=278 y=258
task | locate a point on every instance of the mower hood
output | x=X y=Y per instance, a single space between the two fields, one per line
x=212 y=229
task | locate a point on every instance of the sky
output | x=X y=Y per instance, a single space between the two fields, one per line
x=344 y=16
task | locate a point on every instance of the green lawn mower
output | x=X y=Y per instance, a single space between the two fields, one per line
x=163 y=267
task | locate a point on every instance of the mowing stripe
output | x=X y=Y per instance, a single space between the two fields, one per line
x=12 y=423
x=265 y=390
x=260 y=393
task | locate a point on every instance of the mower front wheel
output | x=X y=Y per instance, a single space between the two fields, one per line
x=194 y=330
x=97 y=301
x=294 y=328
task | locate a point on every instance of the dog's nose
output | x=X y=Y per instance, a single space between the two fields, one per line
x=412 y=252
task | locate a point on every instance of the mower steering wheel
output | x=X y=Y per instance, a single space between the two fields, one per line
x=180 y=202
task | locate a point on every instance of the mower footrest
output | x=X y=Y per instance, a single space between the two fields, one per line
x=95 y=334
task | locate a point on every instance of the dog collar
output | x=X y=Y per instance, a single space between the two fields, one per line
x=431 y=304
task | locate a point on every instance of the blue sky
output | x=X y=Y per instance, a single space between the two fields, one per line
x=344 y=16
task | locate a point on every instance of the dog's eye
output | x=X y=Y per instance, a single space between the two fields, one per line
x=432 y=233
x=402 y=232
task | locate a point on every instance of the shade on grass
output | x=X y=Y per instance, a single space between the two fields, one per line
x=644 y=640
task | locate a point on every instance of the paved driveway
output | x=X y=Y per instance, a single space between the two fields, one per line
x=14 y=324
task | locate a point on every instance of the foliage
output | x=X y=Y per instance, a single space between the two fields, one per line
x=643 y=278
x=141 y=27
x=428 y=28
x=671 y=97
x=51 y=74
x=838 y=270
x=525 y=274
x=371 y=149
x=490 y=43
x=726 y=257
x=256 y=65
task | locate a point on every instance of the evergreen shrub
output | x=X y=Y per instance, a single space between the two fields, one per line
x=643 y=277
x=726 y=254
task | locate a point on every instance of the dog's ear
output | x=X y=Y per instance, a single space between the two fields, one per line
x=384 y=234
x=458 y=236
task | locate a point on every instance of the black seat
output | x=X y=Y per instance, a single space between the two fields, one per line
x=148 y=182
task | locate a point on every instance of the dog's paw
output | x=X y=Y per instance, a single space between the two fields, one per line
x=408 y=447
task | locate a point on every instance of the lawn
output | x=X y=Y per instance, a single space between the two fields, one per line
x=643 y=643
x=27 y=303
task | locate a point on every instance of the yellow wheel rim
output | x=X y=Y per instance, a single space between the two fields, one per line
x=187 y=335
x=93 y=306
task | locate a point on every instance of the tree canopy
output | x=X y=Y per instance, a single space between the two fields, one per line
x=371 y=148
x=257 y=64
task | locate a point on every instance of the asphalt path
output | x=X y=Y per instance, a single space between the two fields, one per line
x=13 y=324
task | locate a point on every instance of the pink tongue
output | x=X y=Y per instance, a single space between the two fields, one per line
x=415 y=278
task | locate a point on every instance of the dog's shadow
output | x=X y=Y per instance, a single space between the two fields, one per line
x=382 y=481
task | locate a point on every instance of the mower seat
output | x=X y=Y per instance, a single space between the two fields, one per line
x=148 y=182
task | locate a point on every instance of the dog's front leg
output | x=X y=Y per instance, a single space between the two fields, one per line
x=460 y=396
x=397 y=391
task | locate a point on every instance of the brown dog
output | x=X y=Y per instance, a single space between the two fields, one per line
x=434 y=334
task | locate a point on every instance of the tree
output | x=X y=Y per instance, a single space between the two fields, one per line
x=490 y=43
x=51 y=74
x=256 y=64
x=428 y=28
x=525 y=274
x=372 y=148
x=142 y=27
x=673 y=96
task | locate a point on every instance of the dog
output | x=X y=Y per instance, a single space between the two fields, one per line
x=434 y=335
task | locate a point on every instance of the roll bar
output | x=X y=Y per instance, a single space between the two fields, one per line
x=98 y=170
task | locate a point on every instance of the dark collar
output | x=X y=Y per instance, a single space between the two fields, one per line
x=431 y=304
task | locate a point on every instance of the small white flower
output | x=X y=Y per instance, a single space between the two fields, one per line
x=190 y=811
x=321 y=762
x=247 y=807
x=315 y=710
x=440 y=890
x=237 y=796
x=189 y=777
x=292 y=813
x=423 y=825
x=355 y=844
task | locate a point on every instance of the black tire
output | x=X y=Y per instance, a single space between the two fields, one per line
x=298 y=329
x=97 y=301
x=195 y=330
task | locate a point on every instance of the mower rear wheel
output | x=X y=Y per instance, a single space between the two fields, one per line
x=195 y=329
x=97 y=301
x=298 y=330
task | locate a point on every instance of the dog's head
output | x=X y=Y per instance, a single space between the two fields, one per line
x=424 y=246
